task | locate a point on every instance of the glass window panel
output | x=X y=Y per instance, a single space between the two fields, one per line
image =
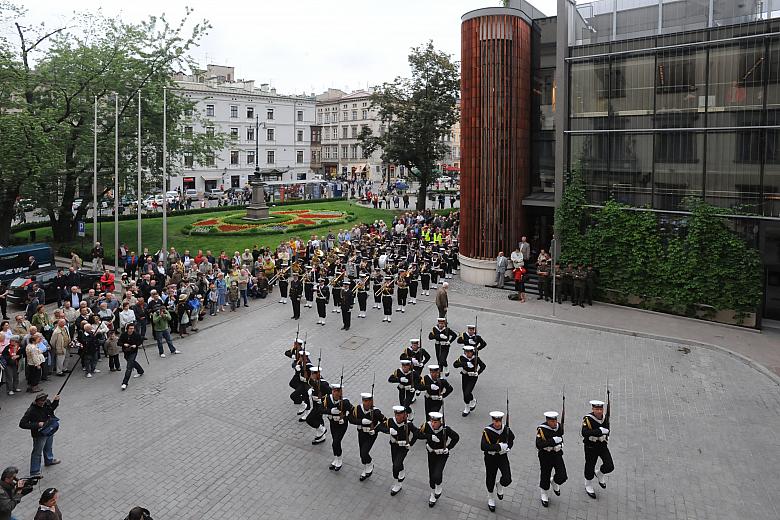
x=772 y=174
x=726 y=12
x=736 y=77
x=773 y=81
x=678 y=168
x=631 y=165
x=591 y=153
x=631 y=82
x=589 y=89
x=733 y=178
x=684 y=15
x=680 y=81
x=636 y=18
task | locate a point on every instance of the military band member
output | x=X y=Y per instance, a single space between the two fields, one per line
x=318 y=390
x=470 y=367
x=403 y=434
x=346 y=305
x=497 y=440
x=387 y=299
x=322 y=297
x=366 y=418
x=283 y=282
x=403 y=291
x=549 y=443
x=308 y=286
x=362 y=296
x=425 y=278
x=405 y=379
x=595 y=436
x=439 y=440
x=436 y=389
x=377 y=288
x=336 y=291
x=296 y=291
x=414 y=282
x=443 y=336
x=418 y=356
x=338 y=409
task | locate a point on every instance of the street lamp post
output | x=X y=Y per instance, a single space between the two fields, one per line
x=257 y=209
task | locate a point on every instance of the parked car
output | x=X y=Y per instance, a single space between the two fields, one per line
x=191 y=193
x=173 y=196
x=17 y=289
x=214 y=193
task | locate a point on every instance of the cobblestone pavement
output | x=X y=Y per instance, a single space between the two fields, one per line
x=212 y=434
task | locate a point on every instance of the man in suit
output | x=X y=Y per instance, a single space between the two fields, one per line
x=501 y=264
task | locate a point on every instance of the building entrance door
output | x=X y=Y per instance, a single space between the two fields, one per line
x=770 y=251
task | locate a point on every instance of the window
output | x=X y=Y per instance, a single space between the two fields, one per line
x=319 y=119
x=299 y=156
x=210 y=110
x=365 y=114
x=188 y=131
x=209 y=160
x=250 y=134
x=353 y=151
x=234 y=157
x=354 y=131
x=234 y=133
x=345 y=115
x=589 y=89
x=734 y=169
x=299 y=137
x=344 y=151
x=344 y=132
x=210 y=131
x=188 y=112
x=680 y=82
x=250 y=157
x=269 y=134
x=678 y=168
x=300 y=115
x=354 y=115
x=250 y=112
x=269 y=114
x=270 y=157
x=188 y=160
x=233 y=110
x=314 y=156
x=327 y=117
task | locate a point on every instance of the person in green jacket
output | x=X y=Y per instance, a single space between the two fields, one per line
x=161 y=327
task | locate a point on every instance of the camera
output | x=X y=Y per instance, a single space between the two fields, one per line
x=29 y=484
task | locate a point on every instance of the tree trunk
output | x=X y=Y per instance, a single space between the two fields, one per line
x=422 y=192
x=63 y=229
x=6 y=218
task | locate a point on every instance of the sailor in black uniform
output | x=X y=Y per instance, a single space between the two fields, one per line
x=470 y=366
x=366 y=418
x=549 y=442
x=497 y=440
x=595 y=436
x=337 y=409
x=403 y=435
x=443 y=336
x=439 y=440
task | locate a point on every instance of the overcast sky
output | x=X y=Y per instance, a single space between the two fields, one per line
x=301 y=45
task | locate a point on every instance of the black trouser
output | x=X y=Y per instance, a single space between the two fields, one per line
x=4 y=307
x=402 y=293
x=113 y=362
x=566 y=290
x=542 y=286
x=283 y=285
x=467 y=384
x=434 y=276
x=366 y=442
x=579 y=291
x=131 y=364
x=337 y=432
x=425 y=280
x=588 y=294
x=321 y=310
x=336 y=297
x=442 y=351
x=549 y=460
x=346 y=317
x=405 y=397
x=558 y=291
x=398 y=454
x=296 y=305
x=548 y=288
x=308 y=292
x=314 y=419
x=300 y=394
x=493 y=463
x=387 y=304
x=432 y=405
x=592 y=454
x=436 y=465
x=377 y=297
x=362 y=299
x=413 y=290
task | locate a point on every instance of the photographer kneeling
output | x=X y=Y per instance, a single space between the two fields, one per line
x=11 y=491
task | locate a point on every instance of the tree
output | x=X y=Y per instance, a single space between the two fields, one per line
x=54 y=78
x=416 y=114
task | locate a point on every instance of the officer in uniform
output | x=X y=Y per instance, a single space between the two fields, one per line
x=543 y=271
x=567 y=283
x=403 y=434
x=443 y=337
x=425 y=278
x=403 y=291
x=295 y=353
x=590 y=284
x=387 y=299
x=470 y=367
x=549 y=443
x=283 y=282
x=346 y=305
x=338 y=409
x=308 y=286
x=362 y=297
x=558 y=283
x=366 y=418
x=419 y=357
x=595 y=436
x=296 y=291
x=439 y=440
x=405 y=379
x=436 y=389
x=318 y=390
x=497 y=440
x=579 y=275
x=323 y=295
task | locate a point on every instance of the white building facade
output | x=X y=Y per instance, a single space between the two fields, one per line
x=225 y=105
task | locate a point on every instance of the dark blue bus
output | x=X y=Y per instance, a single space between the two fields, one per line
x=15 y=261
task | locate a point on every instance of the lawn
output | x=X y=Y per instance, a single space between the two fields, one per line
x=152 y=231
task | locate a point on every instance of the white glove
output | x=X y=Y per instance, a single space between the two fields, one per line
x=297 y=368
x=366 y=422
x=434 y=438
x=335 y=411
x=504 y=446
x=434 y=387
x=393 y=431
x=443 y=336
x=469 y=365
x=604 y=431
x=445 y=451
x=403 y=380
x=557 y=440
x=415 y=362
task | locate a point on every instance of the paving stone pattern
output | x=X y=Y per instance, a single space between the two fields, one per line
x=212 y=434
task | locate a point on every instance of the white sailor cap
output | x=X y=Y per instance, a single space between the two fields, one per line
x=314 y=369
x=406 y=361
x=436 y=416
x=399 y=409
x=551 y=415
x=414 y=340
x=335 y=386
x=305 y=353
x=468 y=347
x=366 y=395
x=433 y=367
x=471 y=326
x=298 y=341
x=308 y=267
x=388 y=277
x=597 y=404
x=497 y=415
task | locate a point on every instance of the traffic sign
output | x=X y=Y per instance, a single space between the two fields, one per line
x=82 y=228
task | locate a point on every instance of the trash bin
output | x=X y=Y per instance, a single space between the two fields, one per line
x=32 y=236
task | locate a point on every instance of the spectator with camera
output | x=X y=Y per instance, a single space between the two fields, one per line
x=43 y=424
x=12 y=490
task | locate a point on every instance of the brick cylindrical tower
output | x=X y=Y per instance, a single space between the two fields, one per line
x=495 y=136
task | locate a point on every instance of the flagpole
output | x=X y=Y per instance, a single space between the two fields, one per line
x=116 y=183
x=165 y=175
x=94 y=182
x=139 y=250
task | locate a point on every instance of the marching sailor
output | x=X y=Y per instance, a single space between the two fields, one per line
x=470 y=367
x=497 y=440
x=405 y=379
x=403 y=435
x=439 y=440
x=443 y=337
x=318 y=390
x=595 y=436
x=338 y=409
x=366 y=418
x=549 y=442
x=436 y=389
x=323 y=295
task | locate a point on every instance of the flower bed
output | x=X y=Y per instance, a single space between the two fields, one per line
x=279 y=221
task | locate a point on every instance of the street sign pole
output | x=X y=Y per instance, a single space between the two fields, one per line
x=554 y=252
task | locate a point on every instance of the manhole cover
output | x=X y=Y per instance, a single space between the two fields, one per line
x=353 y=343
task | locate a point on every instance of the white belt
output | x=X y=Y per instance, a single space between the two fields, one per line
x=434 y=397
x=401 y=444
x=472 y=374
x=367 y=429
x=557 y=447
x=404 y=387
x=601 y=438
x=337 y=421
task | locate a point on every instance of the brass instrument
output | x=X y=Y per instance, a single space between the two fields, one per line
x=383 y=287
x=336 y=279
x=361 y=284
x=277 y=275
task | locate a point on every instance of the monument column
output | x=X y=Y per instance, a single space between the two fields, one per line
x=257 y=209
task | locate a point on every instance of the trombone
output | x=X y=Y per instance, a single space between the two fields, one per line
x=277 y=275
x=360 y=284
x=336 y=279
x=382 y=288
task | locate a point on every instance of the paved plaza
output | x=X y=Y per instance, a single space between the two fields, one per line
x=212 y=433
